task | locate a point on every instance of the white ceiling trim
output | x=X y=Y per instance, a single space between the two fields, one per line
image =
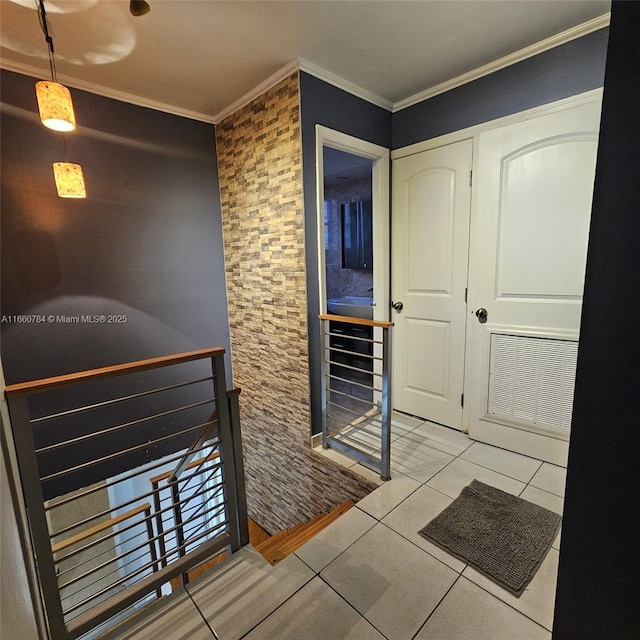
x=322 y=74
x=346 y=85
x=528 y=52
x=257 y=91
x=106 y=92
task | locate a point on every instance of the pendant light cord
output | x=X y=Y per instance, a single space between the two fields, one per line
x=42 y=14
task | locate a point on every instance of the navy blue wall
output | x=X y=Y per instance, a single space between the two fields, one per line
x=324 y=104
x=146 y=243
x=145 y=246
x=570 y=69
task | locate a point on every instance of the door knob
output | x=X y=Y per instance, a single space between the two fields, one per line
x=397 y=306
x=482 y=315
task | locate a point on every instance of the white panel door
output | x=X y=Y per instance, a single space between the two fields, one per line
x=532 y=206
x=430 y=248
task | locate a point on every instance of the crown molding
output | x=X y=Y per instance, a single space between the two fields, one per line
x=345 y=85
x=321 y=74
x=123 y=96
x=257 y=91
x=518 y=56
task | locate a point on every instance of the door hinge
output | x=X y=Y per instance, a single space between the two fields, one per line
x=470 y=177
x=462 y=400
x=466 y=291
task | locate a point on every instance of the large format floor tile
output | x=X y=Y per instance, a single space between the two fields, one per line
x=538 y=600
x=402 y=423
x=367 y=436
x=378 y=578
x=550 y=478
x=414 y=513
x=316 y=612
x=460 y=473
x=388 y=496
x=332 y=541
x=244 y=592
x=508 y=463
x=548 y=501
x=470 y=613
x=412 y=456
x=543 y=499
x=443 y=438
x=391 y=582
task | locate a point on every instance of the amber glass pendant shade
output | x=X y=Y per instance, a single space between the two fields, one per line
x=55 y=106
x=69 y=180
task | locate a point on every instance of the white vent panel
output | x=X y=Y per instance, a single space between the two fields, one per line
x=532 y=379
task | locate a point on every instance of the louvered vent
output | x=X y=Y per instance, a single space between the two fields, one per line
x=532 y=379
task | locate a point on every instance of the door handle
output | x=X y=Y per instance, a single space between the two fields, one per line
x=397 y=306
x=482 y=315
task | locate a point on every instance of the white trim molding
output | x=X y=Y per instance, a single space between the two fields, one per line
x=345 y=85
x=257 y=91
x=380 y=187
x=300 y=64
x=518 y=56
x=122 y=96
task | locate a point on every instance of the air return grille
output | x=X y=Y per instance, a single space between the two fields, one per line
x=532 y=379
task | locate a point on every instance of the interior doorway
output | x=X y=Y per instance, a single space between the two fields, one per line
x=352 y=178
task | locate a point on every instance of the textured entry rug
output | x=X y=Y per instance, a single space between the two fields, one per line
x=504 y=537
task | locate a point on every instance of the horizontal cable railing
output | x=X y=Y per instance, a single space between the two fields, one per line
x=356 y=390
x=132 y=476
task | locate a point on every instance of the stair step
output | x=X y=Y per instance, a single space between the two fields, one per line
x=279 y=537
x=257 y=534
x=295 y=537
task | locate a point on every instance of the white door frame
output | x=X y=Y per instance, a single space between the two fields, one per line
x=379 y=156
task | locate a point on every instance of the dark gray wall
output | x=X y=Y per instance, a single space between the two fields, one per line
x=570 y=69
x=324 y=104
x=146 y=244
x=597 y=595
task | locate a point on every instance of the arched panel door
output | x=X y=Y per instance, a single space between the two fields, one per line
x=529 y=234
x=430 y=246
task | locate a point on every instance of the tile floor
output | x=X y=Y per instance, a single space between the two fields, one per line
x=370 y=575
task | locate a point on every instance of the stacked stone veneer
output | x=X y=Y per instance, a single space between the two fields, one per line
x=260 y=165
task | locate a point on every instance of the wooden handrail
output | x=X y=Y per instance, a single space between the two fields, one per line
x=112 y=371
x=63 y=544
x=194 y=463
x=203 y=436
x=364 y=321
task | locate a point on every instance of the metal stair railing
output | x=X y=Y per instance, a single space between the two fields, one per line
x=87 y=446
x=356 y=390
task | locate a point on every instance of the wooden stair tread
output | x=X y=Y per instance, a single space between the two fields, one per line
x=315 y=526
x=294 y=538
x=257 y=534
x=278 y=538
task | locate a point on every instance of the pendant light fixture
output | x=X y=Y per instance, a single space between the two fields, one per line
x=69 y=180
x=56 y=112
x=54 y=99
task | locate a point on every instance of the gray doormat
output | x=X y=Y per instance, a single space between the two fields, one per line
x=504 y=537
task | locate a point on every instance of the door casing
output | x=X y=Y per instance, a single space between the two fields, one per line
x=326 y=137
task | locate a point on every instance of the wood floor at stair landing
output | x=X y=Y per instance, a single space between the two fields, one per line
x=283 y=543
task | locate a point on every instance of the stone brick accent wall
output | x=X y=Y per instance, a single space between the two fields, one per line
x=260 y=165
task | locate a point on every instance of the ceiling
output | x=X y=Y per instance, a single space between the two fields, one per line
x=201 y=58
